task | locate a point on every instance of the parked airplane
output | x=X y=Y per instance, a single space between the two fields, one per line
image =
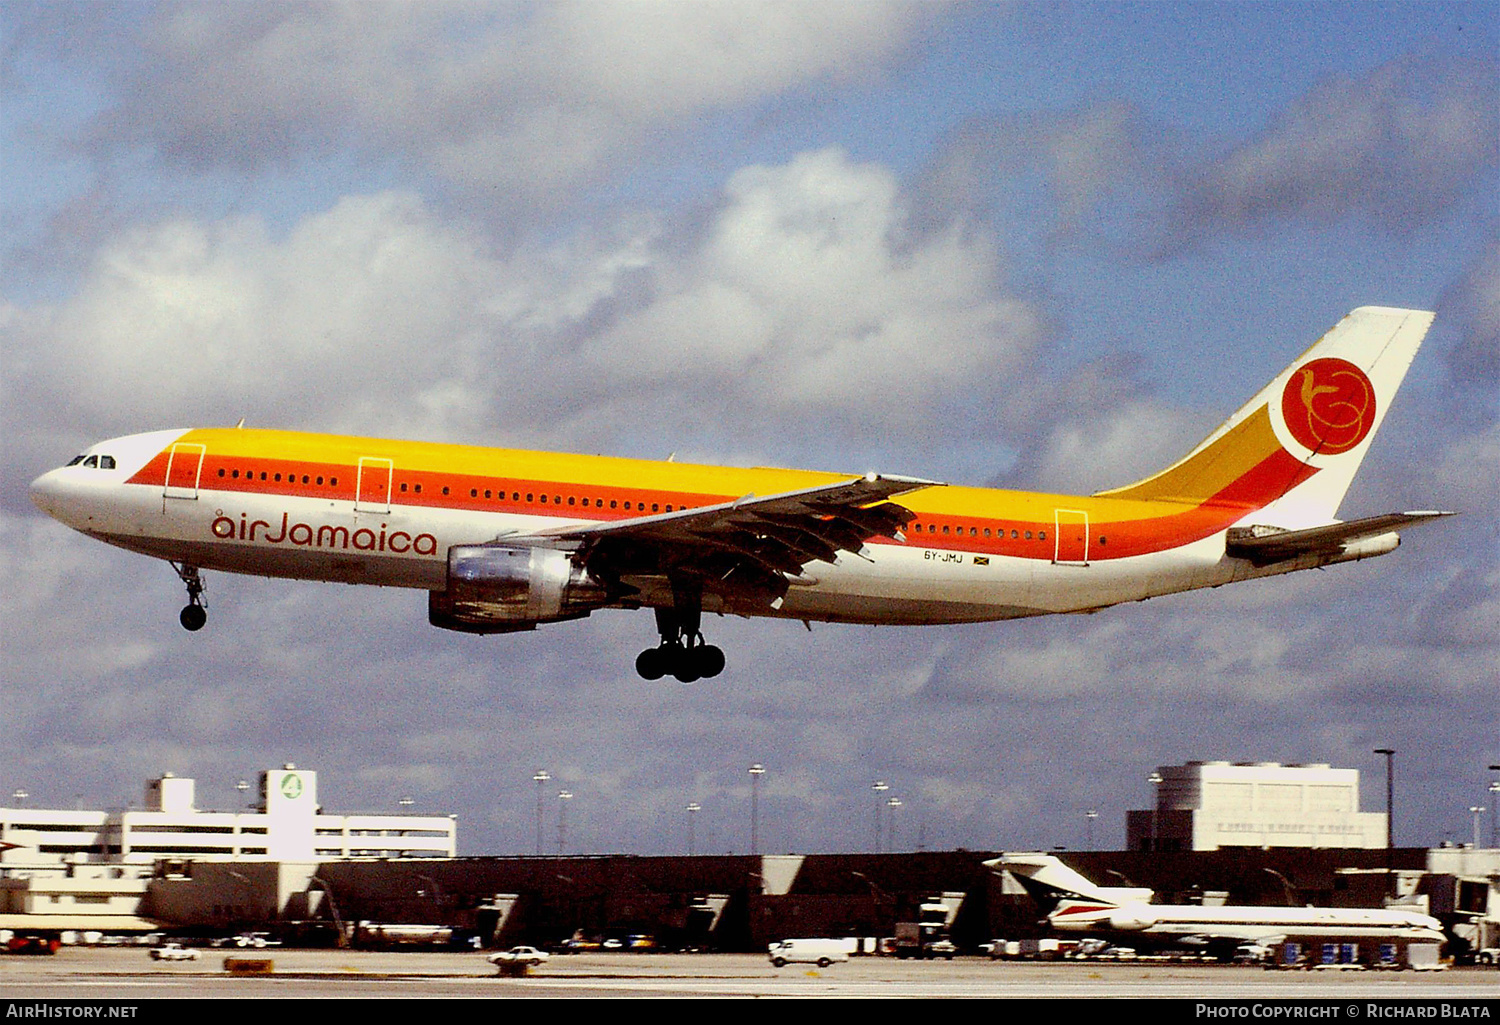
x=1124 y=914
x=506 y=540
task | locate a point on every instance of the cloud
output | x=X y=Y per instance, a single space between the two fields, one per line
x=1474 y=304
x=799 y=302
x=1400 y=146
x=514 y=100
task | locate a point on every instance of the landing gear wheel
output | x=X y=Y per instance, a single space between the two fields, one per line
x=683 y=653
x=194 y=614
x=652 y=663
x=710 y=660
x=685 y=669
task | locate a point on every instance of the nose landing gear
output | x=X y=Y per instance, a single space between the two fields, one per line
x=194 y=614
x=682 y=652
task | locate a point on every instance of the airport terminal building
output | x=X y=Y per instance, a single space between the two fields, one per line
x=93 y=870
x=287 y=868
x=1208 y=806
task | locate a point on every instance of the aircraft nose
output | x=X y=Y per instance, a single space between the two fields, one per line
x=46 y=493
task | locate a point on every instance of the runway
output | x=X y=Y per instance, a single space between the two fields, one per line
x=123 y=974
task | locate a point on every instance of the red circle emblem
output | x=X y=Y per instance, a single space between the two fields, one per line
x=1329 y=405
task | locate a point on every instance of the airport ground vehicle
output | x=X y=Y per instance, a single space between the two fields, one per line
x=516 y=956
x=821 y=952
x=505 y=540
x=33 y=944
x=173 y=952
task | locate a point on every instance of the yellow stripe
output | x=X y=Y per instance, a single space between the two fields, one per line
x=1209 y=471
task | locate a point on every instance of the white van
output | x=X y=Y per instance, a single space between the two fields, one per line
x=819 y=952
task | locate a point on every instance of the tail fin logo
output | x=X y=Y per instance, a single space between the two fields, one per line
x=1328 y=405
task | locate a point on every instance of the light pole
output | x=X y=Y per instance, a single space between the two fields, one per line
x=1494 y=790
x=1390 y=824
x=563 y=797
x=1089 y=817
x=540 y=778
x=693 y=808
x=756 y=772
x=880 y=787
x=1155 y=780
x=404 y=803
x=1495 y=814
x=892 y=803
x=1476 y=810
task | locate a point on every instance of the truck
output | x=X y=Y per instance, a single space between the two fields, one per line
x=923 y=940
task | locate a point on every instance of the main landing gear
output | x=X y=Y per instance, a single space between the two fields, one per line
x=194 y=614
x=682 y=651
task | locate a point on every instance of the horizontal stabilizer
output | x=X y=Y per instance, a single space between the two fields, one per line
x=1263 y=545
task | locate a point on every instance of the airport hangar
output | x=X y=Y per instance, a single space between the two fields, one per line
x=1256 y=834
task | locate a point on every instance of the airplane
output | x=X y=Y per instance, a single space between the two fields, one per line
x=505 y=540
x=1073 y=904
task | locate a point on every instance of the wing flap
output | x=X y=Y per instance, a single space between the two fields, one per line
x=766 y=539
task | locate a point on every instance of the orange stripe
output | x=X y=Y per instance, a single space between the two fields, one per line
x=251 y=473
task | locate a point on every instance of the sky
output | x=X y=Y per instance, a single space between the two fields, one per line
x=1043 y=246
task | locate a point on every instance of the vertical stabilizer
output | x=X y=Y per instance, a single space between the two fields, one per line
x=1292 y=451
x=1048 y=880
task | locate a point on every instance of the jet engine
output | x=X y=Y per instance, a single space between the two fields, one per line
x=1132 y=918
x=497 y=589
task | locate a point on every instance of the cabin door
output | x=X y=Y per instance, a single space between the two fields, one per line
x=1071 y=547
x=374 y=485
x=184 y=467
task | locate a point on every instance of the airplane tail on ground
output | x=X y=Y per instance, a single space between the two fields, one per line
x=1290 y=453
x=1050 y=882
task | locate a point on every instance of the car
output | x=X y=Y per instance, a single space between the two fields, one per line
x=940 y=948
x=173 y=952
x=1253 y=953
x=530 y=957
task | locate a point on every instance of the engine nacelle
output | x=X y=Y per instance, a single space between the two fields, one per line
x=1132 y=918
x=495 y=589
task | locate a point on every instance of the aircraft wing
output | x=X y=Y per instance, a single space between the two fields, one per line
x=760 y=541
x=1263 y=545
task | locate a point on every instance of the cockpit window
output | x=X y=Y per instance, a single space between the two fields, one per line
x=95 y=462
